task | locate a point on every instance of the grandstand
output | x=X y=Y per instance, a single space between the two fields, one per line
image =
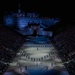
x=10 y=42
x=65 y=44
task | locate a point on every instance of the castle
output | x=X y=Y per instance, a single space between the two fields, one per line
x=30 y=21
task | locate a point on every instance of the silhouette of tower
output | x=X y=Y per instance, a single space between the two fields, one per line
x=19 y=9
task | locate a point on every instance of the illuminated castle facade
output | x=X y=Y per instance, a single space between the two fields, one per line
x=30 y=21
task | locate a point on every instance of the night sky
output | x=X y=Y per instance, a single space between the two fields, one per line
x=44 y=7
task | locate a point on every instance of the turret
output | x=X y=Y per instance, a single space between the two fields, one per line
x=19 y=9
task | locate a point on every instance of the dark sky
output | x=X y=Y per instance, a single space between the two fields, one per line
x=44 y=7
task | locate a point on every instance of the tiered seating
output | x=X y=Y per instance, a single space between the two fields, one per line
x=65 y=44
x=10 y=42
x=3 y=67
x=71 y=67
x=9 y=38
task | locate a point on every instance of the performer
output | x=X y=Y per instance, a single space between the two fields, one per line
x=24 y=70
x=37 y=48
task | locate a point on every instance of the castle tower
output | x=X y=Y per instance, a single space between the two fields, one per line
x=19 y=9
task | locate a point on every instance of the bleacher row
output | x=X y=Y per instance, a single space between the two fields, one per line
x=71 y=67
x=65 y=44
x=10 y=42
